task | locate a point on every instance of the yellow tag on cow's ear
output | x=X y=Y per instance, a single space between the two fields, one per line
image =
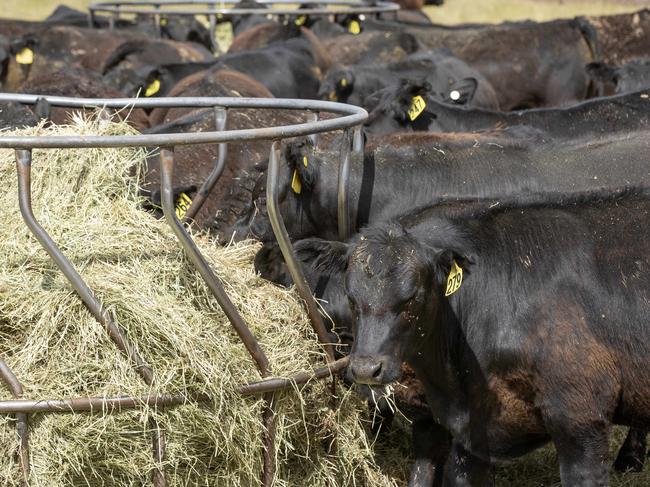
x=343 y=82
x=25 y=56
x=332 y=96
x=296 y=184
x=223 y=35
x=354 y=27
x=163 y=21
x=305 y=161
x=454 y=280
x=183 y=204
x=153 y=88
x=417 y=107
x=300 y=20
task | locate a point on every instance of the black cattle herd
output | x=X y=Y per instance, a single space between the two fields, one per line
x=499 y=267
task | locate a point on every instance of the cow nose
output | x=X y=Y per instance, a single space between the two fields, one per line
x=366 y=370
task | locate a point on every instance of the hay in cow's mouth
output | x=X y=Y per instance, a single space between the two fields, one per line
x=89 y=203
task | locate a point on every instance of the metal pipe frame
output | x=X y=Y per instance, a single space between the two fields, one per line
x=103 y=405
x=22 y=429
x=220 y=116
x=351 y=116
x=271 y=7
x=23 y=167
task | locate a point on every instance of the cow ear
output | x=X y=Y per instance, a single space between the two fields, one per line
x=327 y=256
x=462 y=91
x=601 y=72
x=302 y=163
x=449 y=264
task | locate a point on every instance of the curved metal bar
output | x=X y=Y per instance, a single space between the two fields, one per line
x=22 y=428
x=23 y=165
x=333 y=7
x=120 y=403
x=351 y=116
x=220 y=115
x=286 y=248
x=343 y=183
x=202 y=266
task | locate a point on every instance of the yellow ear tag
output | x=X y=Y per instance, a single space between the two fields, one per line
x=296 y=184
x=300 y=20
x=332 y=96
x=25 y=56
x=153 y=88
x=223 y=35
x=417 y=107
x=305 y=161
x=343 y=82
x=183 y=204
x=354 y=27
x=454 y=280
x=163 y=21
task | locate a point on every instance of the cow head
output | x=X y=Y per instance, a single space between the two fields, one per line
x=337 y=85
x=414 y=105
x=300 y=199
x=396 y=287
x=631 y=77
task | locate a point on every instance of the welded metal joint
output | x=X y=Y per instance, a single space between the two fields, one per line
x=281 y=235
x=22 y=429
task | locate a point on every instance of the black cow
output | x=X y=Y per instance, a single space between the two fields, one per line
x=633 y=76
x=594 y=117
x=542 y=337
x=14 y=115
x=405 y=171
x=450 y=79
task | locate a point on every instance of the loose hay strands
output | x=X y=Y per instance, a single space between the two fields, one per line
x=88 y=201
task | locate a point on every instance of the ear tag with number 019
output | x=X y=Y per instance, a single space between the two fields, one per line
x=25 y=56
x=454 y=280
x=417 y=107
x=183 y=204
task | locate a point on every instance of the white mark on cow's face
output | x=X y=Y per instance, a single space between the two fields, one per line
x=455 y=95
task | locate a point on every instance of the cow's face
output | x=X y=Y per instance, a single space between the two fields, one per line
x=396 y=288
x=301 y=202
x=337 y=85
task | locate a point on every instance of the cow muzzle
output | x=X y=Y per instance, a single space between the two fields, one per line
x=367 y=370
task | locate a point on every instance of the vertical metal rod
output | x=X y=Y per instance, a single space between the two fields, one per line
x=202 y=266
x=286 y=248
x=22 y=429
x=357 y=140
x=220 y=116
x=313 y=138
x=343 y=183
x=213 y=33
x=156 y=22
x=24 y=165
x=238 y=323
x=91 y=19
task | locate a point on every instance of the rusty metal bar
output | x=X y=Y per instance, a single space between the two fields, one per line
x=280 y=231
x=313 y=138
x=23 y=165
x=202 y=266
x=220 y=118
x=350 y=116
x=343 y=183
x=22 y=428
x=122 y=403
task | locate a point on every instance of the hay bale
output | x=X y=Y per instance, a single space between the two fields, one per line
x=89 y=204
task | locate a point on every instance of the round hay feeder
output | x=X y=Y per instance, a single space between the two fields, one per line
x=348 y=118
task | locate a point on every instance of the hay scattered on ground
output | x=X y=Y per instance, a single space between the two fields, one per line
x=89 y=204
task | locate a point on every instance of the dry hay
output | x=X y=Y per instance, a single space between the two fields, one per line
x=89 y=204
